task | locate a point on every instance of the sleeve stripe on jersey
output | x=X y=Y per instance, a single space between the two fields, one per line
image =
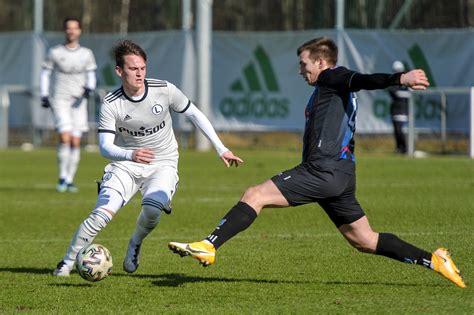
x=114 y=95
x=105 y=131
x=111 y=99
x=154 y=81
x=157 y=85
x=154 y=86
x=186 y=108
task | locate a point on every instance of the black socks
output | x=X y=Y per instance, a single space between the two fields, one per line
x=240 y=217
x=391 y=246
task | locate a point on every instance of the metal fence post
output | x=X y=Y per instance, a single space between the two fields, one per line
x=4 y=104
x=411 y=125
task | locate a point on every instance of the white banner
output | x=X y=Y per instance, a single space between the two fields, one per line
x=255 y=80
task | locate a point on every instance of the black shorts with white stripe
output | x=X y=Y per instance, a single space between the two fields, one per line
x=334 y=190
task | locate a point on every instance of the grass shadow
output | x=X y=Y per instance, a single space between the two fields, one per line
x=176 y=280
x=29 y=270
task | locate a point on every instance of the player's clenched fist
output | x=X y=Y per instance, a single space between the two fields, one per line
x=415 y=79
x=144 y=156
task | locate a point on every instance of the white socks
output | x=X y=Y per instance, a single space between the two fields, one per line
x=63 y=154
x=74 y=158
x=86 y=233
x=68 y=161
x=147 y=221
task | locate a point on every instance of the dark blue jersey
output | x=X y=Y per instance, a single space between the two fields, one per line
x=328 y=141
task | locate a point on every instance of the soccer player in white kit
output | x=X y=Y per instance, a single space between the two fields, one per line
x=135 y=132
x=72 y=70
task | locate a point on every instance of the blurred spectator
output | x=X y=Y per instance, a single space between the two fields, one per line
x=399 y=110
x=72 y=68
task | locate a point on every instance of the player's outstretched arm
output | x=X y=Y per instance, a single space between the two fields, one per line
x=415 y=79
x=230 y=159
x=201 y=121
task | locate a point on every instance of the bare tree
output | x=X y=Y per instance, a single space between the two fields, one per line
x=86 y=15
x=238 y=15
x=124 y=15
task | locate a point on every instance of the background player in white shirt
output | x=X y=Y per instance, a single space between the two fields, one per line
x=135 y=132
x=72 y=70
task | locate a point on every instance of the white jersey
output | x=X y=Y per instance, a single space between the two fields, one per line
x=70 y=67
x=144 y=123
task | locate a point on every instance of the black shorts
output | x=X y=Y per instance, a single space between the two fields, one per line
x=334 y=190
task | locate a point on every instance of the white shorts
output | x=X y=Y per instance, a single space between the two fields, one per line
x=70 y=114
x=158 y=182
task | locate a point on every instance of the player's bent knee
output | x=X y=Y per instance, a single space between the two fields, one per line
x=159 y=199
x=152 y=207
x=251 y=194
x=151 y=212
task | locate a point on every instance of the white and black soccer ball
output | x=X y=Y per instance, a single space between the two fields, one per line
x=94 y=262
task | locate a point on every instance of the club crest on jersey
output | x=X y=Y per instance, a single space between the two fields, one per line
x=106 y=177
x=157 y=109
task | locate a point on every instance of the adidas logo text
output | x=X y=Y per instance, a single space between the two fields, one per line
x=250 y=98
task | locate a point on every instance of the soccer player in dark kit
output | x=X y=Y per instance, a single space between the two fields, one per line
x=326 y=174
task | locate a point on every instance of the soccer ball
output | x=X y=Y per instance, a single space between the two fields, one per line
x=94 y=262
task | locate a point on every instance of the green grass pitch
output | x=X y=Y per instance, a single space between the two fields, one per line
x=290 y=261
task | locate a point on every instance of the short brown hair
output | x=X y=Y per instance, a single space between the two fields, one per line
x=127 y=47
x=74 y=19
x=321 y=47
